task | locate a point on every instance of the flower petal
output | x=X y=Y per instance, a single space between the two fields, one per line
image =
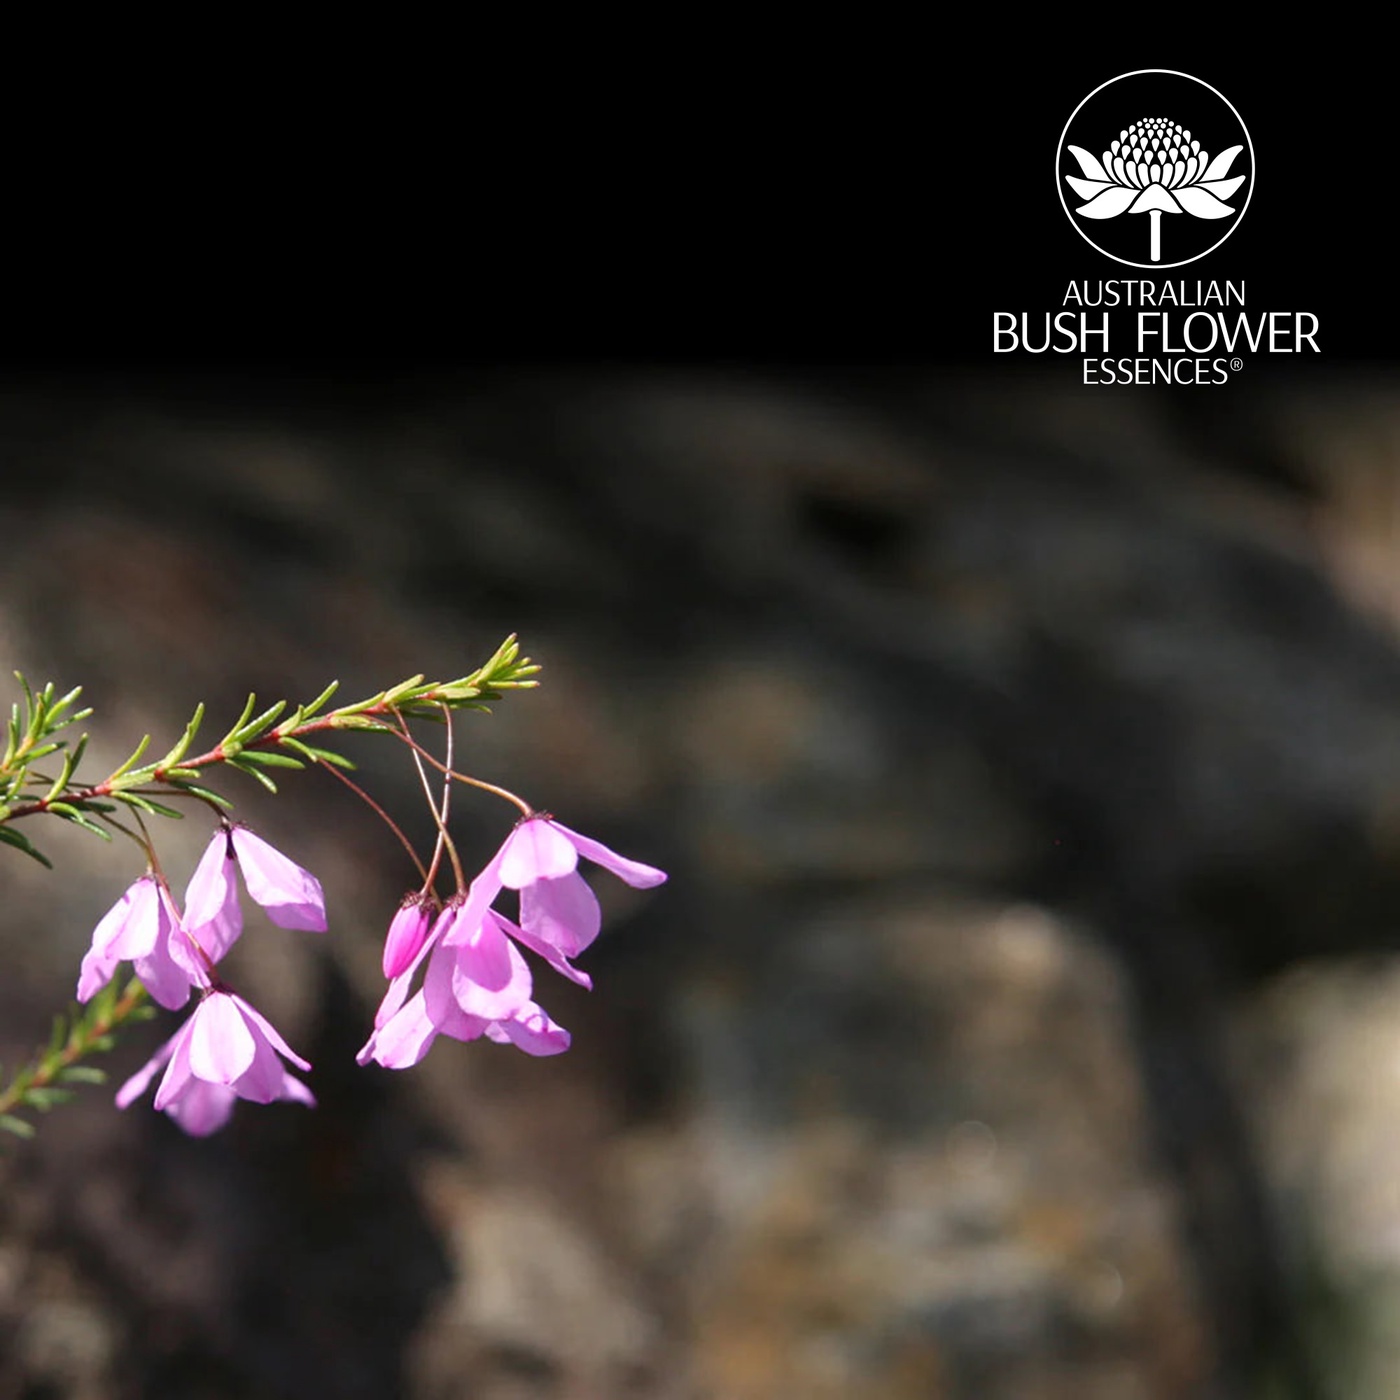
x=1219 y=168
x=1154 y=197
x=631 y=872
x=110 y=925
x=165 y=979
x=532 y=1031
x=96 y=971
x=1088 y=164
x=398 y=988
x=1202 y=203
x=292 y=896
x=261 y=1082
x=138 y=1083
x=405 y=1038
x=536 y=850
x=221 y=1044
x=562 y=913
x=484 y=977
x=480 y=896
x=213 y=917
x=203 y=1108
x=177 y=1073
x=1087 y=189
x=550 y=954
x=295 y=1091
x=261 y=1023
x=1223 y=189
x=145 y=920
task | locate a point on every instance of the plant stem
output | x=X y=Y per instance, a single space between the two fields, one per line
x=84 y=1038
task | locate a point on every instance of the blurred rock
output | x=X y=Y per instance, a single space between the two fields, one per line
x=1319 y=1062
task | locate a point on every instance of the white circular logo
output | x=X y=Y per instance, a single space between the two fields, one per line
x=1162 y=145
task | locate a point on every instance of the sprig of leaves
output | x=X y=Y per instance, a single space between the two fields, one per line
x=52 y=1071
x=30 y=738
x=255 y=743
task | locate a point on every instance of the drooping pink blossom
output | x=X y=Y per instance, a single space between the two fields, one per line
x=128 y=929
x=291 y=896
x=225 y=1050
x=476 y=981
x=557 y=908
x=143 y=928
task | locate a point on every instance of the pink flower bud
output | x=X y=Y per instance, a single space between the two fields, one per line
x=407 y=931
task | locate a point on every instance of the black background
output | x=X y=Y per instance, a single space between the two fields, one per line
x=858 y=197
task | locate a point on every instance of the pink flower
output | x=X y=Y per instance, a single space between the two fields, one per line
x=143 y=928
x=476 y=982
x=559 y=914
x=226 y=1050
x=291 y=896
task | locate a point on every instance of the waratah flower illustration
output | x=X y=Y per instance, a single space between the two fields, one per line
x=1155 y=167
x=226 y=1050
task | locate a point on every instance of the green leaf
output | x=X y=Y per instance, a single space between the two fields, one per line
x=208 y=794
x=308 y=710
x=393 y=696
x=45 y=1098
x=70 y=762
x=82 y=1074
x=271 y=760
x=247 y=732
x=135 y=799
x=72 y=814
x=242 y=719
x=244 y=766
x=21 y=842
x=131 y=762
x=17 y=1126
x=185 y=740
x=316 y=754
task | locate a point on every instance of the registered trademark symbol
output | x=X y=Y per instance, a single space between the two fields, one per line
x=1237 y=363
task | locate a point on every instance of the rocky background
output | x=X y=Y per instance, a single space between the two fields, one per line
x=1021 y=1020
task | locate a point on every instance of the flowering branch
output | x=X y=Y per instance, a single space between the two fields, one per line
x=475 y=981
x=252 y=745
x=40 y=1083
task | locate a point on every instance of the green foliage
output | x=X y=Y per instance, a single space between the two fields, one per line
x=255 y=743
x=83 y=1031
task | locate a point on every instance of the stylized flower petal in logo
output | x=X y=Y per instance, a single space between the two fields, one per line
x=1155 y=168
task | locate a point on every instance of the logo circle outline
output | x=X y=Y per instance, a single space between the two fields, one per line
x=1059 y=174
